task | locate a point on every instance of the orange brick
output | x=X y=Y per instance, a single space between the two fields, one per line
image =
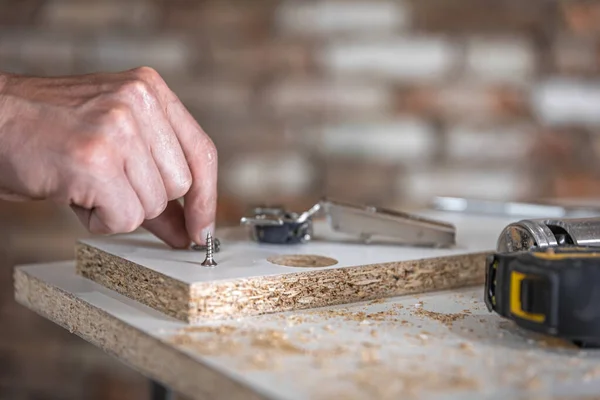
x=582 y=17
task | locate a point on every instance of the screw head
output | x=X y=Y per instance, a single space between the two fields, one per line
x=209 y=262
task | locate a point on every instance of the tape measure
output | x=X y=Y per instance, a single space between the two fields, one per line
x=553 y=291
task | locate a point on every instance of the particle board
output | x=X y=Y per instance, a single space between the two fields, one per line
x=437 y=345
x=249 y=279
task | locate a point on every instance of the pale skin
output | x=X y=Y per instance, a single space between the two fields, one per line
x=118 y=148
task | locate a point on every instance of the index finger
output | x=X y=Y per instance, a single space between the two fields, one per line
x=200 y=202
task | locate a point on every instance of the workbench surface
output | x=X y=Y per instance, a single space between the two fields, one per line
x=436 y=345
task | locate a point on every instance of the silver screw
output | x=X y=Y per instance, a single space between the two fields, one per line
x=210 y=248
x=203 y=247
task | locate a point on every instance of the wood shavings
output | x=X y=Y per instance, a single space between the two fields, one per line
x=219 y=329
x=591 y=374
x=382 y=382
x=446 y=319
x=466 y=348
x=369 y=357
x=275 y=340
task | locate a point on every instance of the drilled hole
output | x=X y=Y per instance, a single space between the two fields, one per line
x=302 y=260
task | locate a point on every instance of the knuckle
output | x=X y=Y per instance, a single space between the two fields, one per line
x=185 y=185
x=115 y=117
x=92 y=152
x=136 y=89
x=132 y=222
x=146 y=74
x=118 y=119
x=179 y=187
x=212 y=154
x=158 y=209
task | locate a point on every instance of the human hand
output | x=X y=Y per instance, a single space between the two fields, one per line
x=119 y=148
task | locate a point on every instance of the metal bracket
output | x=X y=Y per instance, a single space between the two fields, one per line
x=367 y=223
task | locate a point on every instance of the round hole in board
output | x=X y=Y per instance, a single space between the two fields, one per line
x=302 y=260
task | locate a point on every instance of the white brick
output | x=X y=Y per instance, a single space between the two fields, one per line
x=255 y=176
x=403 y=140
x=44 y=52
x=327 y=17
x=403 y=59
x=422 y=186
x=490 y=144
x=500 y=60
x=99 y=14
x=115 y=53
x=568 y=101
x=329 y=96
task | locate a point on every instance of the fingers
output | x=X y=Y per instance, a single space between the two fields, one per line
x=200 y=201
x=144 y=176
x=116 y=209
x=156 y=130
x=170 y=226
x=164 y=155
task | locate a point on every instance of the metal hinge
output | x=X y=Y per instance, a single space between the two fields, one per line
x=366 y=223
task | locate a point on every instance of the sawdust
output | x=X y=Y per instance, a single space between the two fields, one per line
x=267 y=346
x=467 y=348
x=382 y=382
x=591 y=374
x=275 y=340
x=446 y=319
x=219 y=329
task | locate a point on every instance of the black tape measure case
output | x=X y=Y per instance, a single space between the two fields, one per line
x=554 y=291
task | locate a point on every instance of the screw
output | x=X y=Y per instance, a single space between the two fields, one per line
x=210 y=247
x=203 y=247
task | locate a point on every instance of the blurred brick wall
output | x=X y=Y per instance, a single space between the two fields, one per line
x=407 y=99
x=389 y=102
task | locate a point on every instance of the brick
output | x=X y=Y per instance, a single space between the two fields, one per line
x=353 y=180
x=260 y=176
x=505 y=59
x=327 y=98
x=167 y=54
x=494 y=184
x=94 y=15
x=48 y=53
x=19 y=12
x=490 y=144
x=403 y=140
x=335 y=16
x=576 y=55
x=464 y=100
x=568 y=148
x=576 y=185
x=581 y=17
x=226 y=95
x=403 y=59
x=265 y=58
x=479 y=16
x=226 y=21
x=560 y=101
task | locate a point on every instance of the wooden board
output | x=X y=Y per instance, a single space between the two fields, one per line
x=439 y=345
x=249 y=279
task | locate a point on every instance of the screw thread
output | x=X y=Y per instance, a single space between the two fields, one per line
x=209 y=246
